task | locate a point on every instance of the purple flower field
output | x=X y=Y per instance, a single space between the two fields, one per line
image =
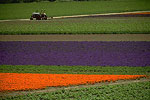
x=75 y=53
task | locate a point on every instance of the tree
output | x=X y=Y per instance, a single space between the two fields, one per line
x=15 y=1
x=5 y=1
x=52 y=0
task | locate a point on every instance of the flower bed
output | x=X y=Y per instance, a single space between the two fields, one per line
x=22 y=81
x=75 y=53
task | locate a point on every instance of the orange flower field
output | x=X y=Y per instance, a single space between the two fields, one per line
x=28 y=81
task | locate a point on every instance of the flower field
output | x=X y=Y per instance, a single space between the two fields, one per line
x=37 y=65
x=15 y=81
x=76 y=69
x=75 y=53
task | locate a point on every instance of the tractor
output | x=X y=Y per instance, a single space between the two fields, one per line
x=38 y=16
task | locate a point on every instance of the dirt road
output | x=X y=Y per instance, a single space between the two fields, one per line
x=89 y=37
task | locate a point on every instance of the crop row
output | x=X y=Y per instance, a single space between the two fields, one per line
x=78 y=26
x=75 y=53
x=132 y=91
x=116 y=70
x=21 y=81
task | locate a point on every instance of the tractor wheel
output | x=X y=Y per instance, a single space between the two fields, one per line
x=31 y=18
x=45 y=18
x=38 y=17
x=42 y=18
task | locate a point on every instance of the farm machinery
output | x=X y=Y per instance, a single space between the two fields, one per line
x=38 y=16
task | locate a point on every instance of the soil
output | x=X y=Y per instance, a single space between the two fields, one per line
x=88 y=37
x=52 y=89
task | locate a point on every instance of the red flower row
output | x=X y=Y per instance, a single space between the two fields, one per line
x=22 y=81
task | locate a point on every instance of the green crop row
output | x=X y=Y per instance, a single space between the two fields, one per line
x=24 y=10
x=117 y=70
x=132 y=91
x=78 y=26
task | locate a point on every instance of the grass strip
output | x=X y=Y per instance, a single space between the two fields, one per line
x=117 y=70
x=132 y=91
x=78 y=26
x=24 y=10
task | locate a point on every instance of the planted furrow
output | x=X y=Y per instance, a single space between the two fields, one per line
x=75 y=53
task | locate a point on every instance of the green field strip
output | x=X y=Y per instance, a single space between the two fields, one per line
x=24 y=10
x=79 y=16
x=78 y=26
x=116 y=70
x=131 y=91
